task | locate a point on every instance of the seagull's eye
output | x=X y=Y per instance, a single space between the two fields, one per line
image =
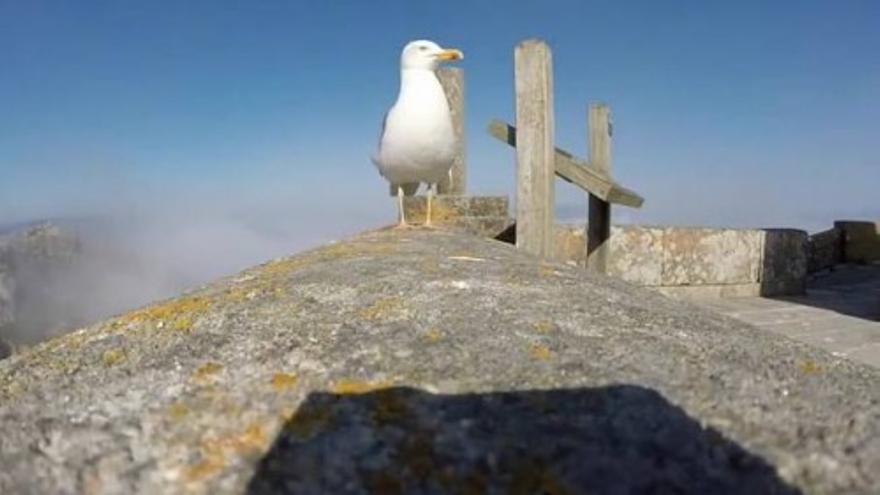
x=423 y=48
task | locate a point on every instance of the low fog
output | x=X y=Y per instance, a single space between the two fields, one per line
x=135 y=251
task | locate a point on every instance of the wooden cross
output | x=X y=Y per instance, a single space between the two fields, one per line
x=539 y=161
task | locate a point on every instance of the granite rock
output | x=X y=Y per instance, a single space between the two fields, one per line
x=415 y=361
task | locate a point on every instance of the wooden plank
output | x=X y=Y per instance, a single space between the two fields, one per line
x=599 y=213
x=574 y=170
x=452 y=79
x=535 y=190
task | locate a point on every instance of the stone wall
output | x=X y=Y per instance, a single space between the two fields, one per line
x=861 y=241
x=699 y=262
x=824 y=249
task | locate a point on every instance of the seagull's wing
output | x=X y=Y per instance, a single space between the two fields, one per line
x=375 y=156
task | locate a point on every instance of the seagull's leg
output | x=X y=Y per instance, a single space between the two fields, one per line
x=431 y=188
x=402 y=213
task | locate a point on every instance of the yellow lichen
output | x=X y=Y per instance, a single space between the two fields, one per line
x=284 y=381
x=252 y=438
x=434 y=335
x=347 y=387
x=381 y=308
x=216 y=451
x=177 y=312
x=237 y=294
x=204 y=468
x=430 y=265
x=205 y=373
x=113 y=356
x=178 y=410
x=544 y=326
x=540 y=351
x=809 y=367
x=183 y=324
x=547 y=270
x=284 y=267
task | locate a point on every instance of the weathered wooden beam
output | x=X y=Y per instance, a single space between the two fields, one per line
x=452 y=79
x=576 y=171
x=535 y=191
x=599 y=211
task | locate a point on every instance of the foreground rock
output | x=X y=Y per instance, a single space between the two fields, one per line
x=429 y=362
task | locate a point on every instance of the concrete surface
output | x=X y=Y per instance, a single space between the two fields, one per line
x=839 y=313
x=430 y=362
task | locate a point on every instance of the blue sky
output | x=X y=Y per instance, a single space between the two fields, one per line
x=726 y=113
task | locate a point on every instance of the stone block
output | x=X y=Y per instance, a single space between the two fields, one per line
x=570 y=244
x=449 y=208
x=861 y=241
x=636 y=254
x=784 y=264
x=703 y=256
x=702 y=292
x=824 y=249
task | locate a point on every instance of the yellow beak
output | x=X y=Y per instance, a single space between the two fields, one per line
x=450 y=54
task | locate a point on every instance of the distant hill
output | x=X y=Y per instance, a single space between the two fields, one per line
x=33 y=255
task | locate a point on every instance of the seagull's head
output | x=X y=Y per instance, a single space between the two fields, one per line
x=427 y=55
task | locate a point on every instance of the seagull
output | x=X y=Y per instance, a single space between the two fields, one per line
x=417 y=143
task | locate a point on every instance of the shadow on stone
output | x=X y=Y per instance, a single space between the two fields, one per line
x=848 y=289
x=842 y=270
x=617 y=439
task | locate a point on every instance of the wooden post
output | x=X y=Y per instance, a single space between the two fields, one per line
x=535 y=197
x=599 y=222
x=452 y=79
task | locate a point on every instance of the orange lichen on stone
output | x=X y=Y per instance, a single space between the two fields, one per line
x=178 y=410
x=284 y=381
x=349 y=387
x=113 y=356
x=216 y=451
x=203 y=469
x=183 y=324
x=540 y=351
x=544 y=326
x=284 y=267
x=179 y=313
x=381 y=308
x=809 y=367
x=430 y=265
x=434 y=335
x=238 y=293
x=251 y=439
x=205 y=373
x=547 y=270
